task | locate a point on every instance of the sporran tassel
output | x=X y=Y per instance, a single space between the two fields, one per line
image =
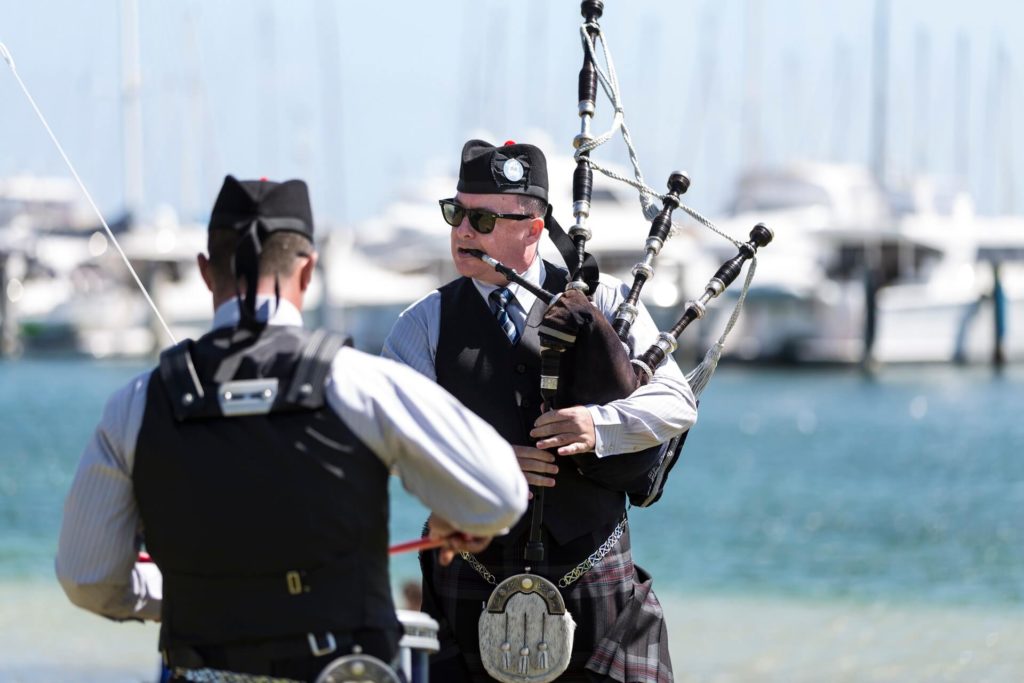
x=506 y=649
x=506 y=656
x=524 y=653
x=542 y=646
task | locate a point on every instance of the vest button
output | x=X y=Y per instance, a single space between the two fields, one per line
x=521 y=368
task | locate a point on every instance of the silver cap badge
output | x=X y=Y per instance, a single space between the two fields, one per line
x=512 y=170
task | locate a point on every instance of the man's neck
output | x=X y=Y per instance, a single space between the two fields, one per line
x=269 y=309
x=266 y=289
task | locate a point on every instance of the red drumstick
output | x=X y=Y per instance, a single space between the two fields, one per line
x=418 y=544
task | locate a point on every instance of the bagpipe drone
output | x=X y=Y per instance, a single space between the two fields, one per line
x=584 y=358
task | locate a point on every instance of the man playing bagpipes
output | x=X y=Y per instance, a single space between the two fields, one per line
x=480 y=337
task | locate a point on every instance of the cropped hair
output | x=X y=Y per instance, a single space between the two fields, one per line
x=533 y=206
x=279 y=255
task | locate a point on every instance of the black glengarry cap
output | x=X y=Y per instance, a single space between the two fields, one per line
x=271 y=206
x=254 y=210
x=512 y=168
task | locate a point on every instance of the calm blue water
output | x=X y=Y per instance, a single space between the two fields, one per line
x=908 y=487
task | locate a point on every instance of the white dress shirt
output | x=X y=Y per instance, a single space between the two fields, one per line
x=652 y=414
x=446 y=456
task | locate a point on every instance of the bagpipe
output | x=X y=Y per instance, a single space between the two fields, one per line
x=584 y=358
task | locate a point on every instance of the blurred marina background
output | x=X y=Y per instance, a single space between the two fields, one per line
x=824 y=523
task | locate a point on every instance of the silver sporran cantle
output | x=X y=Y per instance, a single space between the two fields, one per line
x=525 y=631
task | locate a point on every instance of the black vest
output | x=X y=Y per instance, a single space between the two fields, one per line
x=264 y=525
x=477 y=364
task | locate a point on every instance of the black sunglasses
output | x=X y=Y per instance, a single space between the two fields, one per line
x=481 y=220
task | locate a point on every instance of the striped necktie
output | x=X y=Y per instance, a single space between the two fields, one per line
x=500 y=299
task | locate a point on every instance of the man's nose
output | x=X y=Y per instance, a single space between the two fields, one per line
x=465 y=230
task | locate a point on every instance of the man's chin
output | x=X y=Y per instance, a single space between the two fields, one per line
x=477 y=270
x=468 y=268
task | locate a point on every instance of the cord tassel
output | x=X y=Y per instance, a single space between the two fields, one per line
x=506 y=655
x=524 y=653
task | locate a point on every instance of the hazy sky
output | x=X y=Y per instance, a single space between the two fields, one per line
x=360 y=98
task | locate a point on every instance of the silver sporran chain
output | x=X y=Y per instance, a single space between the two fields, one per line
x=594 y=557
x=573 y=574
x=479 y=567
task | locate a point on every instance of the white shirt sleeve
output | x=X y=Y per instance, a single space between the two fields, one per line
x=101 y=531
x=446 y=456
x=657 y=411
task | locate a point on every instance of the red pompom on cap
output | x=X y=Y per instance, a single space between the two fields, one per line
x=509 y=142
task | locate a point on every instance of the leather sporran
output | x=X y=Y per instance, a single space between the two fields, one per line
x=525 y=631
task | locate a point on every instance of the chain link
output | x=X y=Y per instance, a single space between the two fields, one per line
x=570 y=576
x=207 y=675
x=594 y=557
x=479 y=567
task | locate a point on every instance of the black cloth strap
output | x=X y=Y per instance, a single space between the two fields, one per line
x=567 y=249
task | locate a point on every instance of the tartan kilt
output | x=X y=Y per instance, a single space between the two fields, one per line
x=620 y=627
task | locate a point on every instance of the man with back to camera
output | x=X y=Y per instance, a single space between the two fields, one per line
x=254 y=464
x=477 y=336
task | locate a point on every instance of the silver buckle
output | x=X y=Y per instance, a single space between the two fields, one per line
x=314 y=644
x=247 y=396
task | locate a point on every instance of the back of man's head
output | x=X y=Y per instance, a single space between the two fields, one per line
x=261 y=229
x=281 y=255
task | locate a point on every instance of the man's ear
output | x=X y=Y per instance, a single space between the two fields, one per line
x=204 y=270
x=306 y=273
x=536 y=230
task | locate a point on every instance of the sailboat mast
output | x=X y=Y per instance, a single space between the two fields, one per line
x=922 y=101
x=880 y=101
x=961 y=110
x=751 y=133
x=192 y=124
x=1006 y=146
x=335 y=193
x=131 y=107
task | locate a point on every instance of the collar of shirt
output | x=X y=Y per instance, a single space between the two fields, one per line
x=284 y=313
x=523 y=297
